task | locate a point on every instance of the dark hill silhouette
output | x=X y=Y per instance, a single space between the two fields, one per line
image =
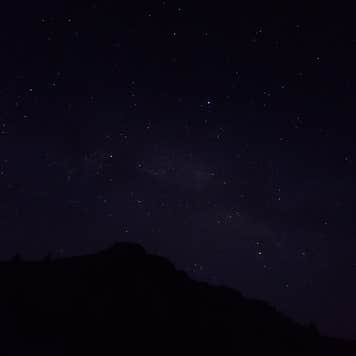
x=123 y=301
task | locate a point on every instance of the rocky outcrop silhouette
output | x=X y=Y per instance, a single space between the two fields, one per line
x=123 y=301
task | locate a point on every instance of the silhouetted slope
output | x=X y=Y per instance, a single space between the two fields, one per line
x=124 y=301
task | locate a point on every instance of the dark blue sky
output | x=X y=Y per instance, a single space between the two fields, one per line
x=218 y=135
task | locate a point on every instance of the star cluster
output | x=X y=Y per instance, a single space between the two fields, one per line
x=218 y=135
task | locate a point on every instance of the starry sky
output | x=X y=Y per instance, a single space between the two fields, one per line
x=216 y=134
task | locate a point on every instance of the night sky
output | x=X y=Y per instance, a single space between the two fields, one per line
x=215 y=134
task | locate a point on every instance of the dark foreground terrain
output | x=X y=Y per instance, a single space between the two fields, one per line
x=123 y=301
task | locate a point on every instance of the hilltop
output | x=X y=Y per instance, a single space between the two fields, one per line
x=123 y=299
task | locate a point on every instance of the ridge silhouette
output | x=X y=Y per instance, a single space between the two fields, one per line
x=123 y=300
